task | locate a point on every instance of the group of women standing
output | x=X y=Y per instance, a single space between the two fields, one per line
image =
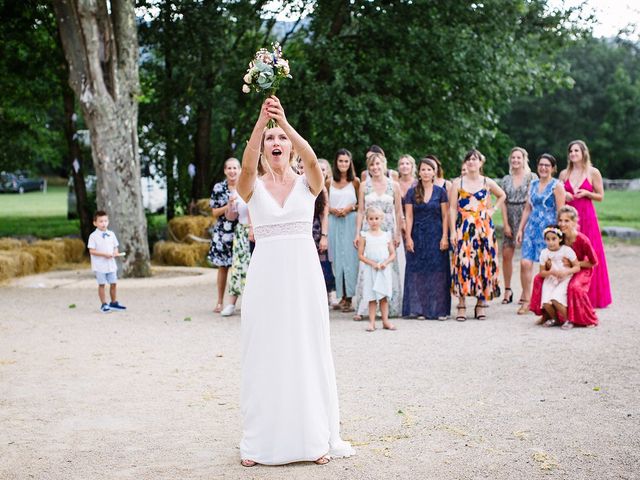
x=442 y=231
x=536 y=201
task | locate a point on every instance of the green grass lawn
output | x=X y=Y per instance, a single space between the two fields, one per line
x=44 y=215
x=619 y=209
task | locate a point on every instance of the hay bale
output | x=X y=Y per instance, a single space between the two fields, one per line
x=8 y=243
x=8 y=265
x=45 y=258
x=74 y=250
x=180 y=228
x=180 y=254
x=203 y=207
x=26 y=263
x=55 y=246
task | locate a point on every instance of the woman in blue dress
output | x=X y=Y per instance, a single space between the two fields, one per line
x=546 y=197
x=427 y=274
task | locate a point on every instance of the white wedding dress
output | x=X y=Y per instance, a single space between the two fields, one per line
x=289 y=399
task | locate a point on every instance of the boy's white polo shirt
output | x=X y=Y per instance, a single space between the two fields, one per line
x=103 y=242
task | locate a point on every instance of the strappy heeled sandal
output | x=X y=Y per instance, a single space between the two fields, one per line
x=463 y=309
x=322 y=460
x=482 y=316
x=524 y=308
x=248 y=463
x=507 y=299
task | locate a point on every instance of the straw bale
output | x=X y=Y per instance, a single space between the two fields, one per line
x=74 y=250
x=181 y=227
x=26 y=263
x=8 y=243
x=8 y=265
x=180 y=254
x=45 y=257
x=55 y=246
x=203 y=206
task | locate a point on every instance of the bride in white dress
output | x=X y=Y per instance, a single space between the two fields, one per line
x=289 y=399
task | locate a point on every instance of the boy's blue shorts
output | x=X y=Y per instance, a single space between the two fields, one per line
x=109 y=277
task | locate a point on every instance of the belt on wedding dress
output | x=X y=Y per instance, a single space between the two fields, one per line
x=282 y=230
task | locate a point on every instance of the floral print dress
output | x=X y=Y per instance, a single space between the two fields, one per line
x=475 y=266
x=220 y=251
x=386 y=203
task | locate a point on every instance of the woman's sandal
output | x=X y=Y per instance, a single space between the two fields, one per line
x=459 y=317
x=507 y=299
x=524 y=308
x=248 y=463
x=482 y=315
x=218 y=308
x=551 y=323
x=390 y=326
x=322 y=460
x=370 y=329
x=567 y=326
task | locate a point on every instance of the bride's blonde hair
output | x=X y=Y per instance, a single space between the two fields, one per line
x=263 y=164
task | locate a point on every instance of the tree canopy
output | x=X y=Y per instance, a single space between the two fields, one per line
x=418 y=77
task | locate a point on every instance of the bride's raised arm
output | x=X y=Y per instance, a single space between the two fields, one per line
x=312 y=170
x=251 y=155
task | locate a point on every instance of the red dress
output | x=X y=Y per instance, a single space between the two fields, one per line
x=579 y=309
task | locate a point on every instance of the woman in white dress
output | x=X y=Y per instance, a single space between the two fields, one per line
x=289 y=400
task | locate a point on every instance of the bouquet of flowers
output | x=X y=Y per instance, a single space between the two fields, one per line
x=265 y=72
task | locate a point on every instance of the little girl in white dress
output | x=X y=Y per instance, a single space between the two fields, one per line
x=376 y=252
x=556 y=275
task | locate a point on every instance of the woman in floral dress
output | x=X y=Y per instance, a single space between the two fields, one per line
x=473 y=237
x=380 y=191
x=223 y=206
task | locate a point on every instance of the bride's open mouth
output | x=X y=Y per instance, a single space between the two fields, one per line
x=276 y=152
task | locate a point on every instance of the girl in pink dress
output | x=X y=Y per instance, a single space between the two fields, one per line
x=583 y=184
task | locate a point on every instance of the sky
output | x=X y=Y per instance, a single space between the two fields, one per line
x=611 y=15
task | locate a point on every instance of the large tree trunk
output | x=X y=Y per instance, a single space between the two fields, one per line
x=101 y=47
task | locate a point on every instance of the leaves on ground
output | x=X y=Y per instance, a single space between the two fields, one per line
x=546 y=461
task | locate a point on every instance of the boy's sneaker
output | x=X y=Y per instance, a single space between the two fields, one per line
x=228 y=310
x=117 y=306
x=105 y=308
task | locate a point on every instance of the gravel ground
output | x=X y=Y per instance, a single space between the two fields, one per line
x=152 y=393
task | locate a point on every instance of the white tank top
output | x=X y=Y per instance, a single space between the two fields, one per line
x=342 y=197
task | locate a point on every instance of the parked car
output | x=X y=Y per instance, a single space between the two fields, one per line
x=154 y=195
x=20 y=182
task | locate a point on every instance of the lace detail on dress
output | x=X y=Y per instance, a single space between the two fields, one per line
x=279 y=229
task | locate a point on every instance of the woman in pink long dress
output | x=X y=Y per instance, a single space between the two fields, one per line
x=583 y=184
x=580 y=311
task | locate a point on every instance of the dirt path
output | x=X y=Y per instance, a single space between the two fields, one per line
x=152 y=393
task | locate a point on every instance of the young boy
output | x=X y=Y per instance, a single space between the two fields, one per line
x=103 y=247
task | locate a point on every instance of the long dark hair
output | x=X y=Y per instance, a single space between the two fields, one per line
x=439 y=170
x=351 y=173
x=419 y=187
x=321 y=202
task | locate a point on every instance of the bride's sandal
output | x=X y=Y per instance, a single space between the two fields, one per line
x=322 y=460
x=248 y=463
